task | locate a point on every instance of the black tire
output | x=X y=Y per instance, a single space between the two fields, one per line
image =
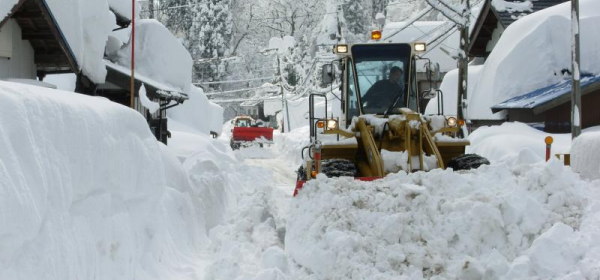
x=338 y=167
x=467 y=161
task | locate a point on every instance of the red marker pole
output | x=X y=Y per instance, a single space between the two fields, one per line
x=548 y=141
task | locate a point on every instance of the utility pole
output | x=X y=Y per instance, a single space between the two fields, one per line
x=461 y=18
x=132 y=81
x=463 y=62
x=283 y=98
x=576 y=90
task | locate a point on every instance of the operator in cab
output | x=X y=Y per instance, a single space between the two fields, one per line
x=383 y=93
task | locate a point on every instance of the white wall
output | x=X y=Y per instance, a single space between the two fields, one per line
x=20 y=64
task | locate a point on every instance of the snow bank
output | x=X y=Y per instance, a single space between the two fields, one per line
x=585 y=155
x=514 y=139
x=88 y=192
x=165 y=60
x=508 y=221
x=86 y=26
x=198 y=113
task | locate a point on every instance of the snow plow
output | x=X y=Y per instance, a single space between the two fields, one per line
x=380 y=130
x=246 y=131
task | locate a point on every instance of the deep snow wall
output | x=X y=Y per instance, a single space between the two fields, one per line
x=86 y=192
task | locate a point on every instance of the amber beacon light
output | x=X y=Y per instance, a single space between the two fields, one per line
x=375 y=35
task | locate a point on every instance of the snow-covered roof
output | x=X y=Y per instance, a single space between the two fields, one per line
x=548 y=97
x=532 y=53
x=503 y=12
x=164 y=91
x=159 y=56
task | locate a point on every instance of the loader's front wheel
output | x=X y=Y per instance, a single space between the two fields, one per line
x=338 y=167
x=467 y=161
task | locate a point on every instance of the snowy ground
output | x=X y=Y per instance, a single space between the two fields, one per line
x=87 y=193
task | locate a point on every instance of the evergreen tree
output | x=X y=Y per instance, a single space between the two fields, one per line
x=177 y=17
x=210 y=38
x=357 y=20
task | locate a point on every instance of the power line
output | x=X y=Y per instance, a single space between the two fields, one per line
x=233 y=81
x=231 y=91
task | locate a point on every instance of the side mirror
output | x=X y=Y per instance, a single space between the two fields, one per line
x=327 y=74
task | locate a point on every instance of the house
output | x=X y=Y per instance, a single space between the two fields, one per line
x=546 y=106
x=551 y=105
x=33 y=45
x=494 y=19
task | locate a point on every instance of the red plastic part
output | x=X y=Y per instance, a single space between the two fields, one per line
x=300 y=184
x=252 y=133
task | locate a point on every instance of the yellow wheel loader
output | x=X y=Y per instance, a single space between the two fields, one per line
x=380 y=130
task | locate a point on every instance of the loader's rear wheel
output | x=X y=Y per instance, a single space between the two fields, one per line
x=338 y=167
x=467 y=161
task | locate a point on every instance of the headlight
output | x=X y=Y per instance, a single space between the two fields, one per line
x=341 y=48
x=420 y=47
x=451 y=121
x=331 y=124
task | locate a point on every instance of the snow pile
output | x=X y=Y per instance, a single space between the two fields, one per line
x=165 y=60
x=508 y=221
x=585 y=155
x=504 y=142
x=198 y=113
x=86 y=26
x=88 y=192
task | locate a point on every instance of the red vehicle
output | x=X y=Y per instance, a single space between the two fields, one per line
x=246 y=131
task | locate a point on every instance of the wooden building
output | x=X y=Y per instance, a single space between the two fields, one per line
x=551 y=106
x=32 y=46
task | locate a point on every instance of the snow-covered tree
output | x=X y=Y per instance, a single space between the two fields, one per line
x=356 y=16
x=210 y=37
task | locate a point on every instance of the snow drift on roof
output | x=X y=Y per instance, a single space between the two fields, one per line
x=532 y=54
x=159 y=55
x=86 y=26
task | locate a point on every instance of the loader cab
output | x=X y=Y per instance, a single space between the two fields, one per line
x=371 y=83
